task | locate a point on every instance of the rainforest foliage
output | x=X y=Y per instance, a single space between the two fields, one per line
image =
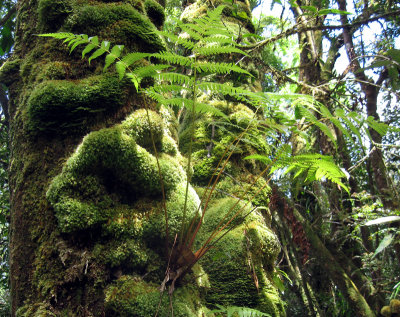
x=258 y=176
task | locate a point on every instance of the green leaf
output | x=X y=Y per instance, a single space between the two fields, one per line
x=309 y=8
x=90 y=47
x=97 y=53
x=333 y=11
x=115 y=53
x=387 y=240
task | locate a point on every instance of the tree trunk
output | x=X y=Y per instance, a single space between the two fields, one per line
x=329 y=263
x=87 y=228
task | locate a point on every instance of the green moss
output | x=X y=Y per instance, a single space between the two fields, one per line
x=36 y=310
x=169 y=146
x=9 y=71
x=60 y=106
x=53 y=71
x=204 y=169
x=227 y=264
x=52 y=13
x=133 y=297
x=130 y=254
x=137 y=126
x=121 y=23
x=155 y=12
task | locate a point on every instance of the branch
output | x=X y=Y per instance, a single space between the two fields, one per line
x=8 y=15
x=296 y=29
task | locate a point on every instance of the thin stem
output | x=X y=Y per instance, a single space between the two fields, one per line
x=190 y=153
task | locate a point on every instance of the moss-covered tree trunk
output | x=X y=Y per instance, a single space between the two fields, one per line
x=87 y=227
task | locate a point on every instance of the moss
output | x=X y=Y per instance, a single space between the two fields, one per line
x=395 y=306
x=386 y=312
x=52 y=13
x=137 y=126
x=155 y=12
x=53 y=71
x=123 y=169
x=36 y=310
x=120 y=23
x=231 y=280
x=169 y=146
x=60 y=106
x=129 y=254
x=133 y=297
x=9 y=71
x=203 y=170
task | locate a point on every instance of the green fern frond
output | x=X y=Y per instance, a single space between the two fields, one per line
x=215 y=15
x=218 y=68
x=355 y=130
x=194 y=32
x=179 y=40
x=173 y=59
x=166 y=89
x=217 y=50
x=175 y=78
x=218 y=38
x=380 y=127
x=232 y=311
x=303 y=112
x=114 y=54
x=59 y=36
x=150 y=70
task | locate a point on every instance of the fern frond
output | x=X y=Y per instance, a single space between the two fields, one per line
x=215 y=15
x=59 y=36
x=193 y=31
x=217 y=50
x=342 y=115
x=303 y=112
x=166 y=89
x=380 y=127
x=175 y=78
x=150 y=70
x=218 y=39
x=219 y=68
x=236 y=92
x=173 y=58
x=186 y=43
x=232 y=311
x=114 y=54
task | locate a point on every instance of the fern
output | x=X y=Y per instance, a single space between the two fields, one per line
x=235 y=311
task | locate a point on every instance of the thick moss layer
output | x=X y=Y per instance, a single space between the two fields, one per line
x=245 y=255
x=60 y=106
x=121 y=23
x=130 y=296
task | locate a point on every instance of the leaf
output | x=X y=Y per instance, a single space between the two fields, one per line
x=121 y=69
x=216 y=50
x=333 y=11
x=382 y=220
x=115 y=53
x=97 y=53
x=90 y=47
x=309 y=8
x=387 y=240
